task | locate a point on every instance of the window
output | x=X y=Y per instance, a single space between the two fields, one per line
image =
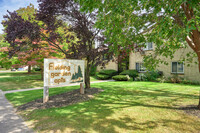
x=177 y=67
x=140 y=67
x=148 y=46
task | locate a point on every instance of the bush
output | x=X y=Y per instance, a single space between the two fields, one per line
x=37 y=69
x=141 y=77
x=186 y=82
x=175 y=79
x=160 y=73
x=93 y=70
x=110 y=72
x=102 y=76
x=162 y=79
x=152 y=75
x=131 y=73
x=121 y=77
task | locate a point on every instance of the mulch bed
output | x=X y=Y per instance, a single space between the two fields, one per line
x=191 y=110
x=61 y=100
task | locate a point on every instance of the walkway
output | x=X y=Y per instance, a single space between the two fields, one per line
x=10 y=122
x=12 y=91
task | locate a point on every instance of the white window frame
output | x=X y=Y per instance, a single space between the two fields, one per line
x=147 y=46
x=177 y=67
x=139 y=66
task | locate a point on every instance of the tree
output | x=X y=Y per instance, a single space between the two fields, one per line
x=29 y=51
x=80 y=46
x=170 y=24
x=167 y=23
x=53 y=14
x=4 y=58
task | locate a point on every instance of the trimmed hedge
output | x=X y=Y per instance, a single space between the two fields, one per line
x=102 y=76
x=37 y=69
x=121 y=77
x=110 y=72
x=131 y=73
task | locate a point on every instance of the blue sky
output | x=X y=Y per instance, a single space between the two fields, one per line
x=12 y=5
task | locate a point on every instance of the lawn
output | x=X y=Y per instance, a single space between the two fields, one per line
x=22 y=80
x=19 y=80
x=121 y=107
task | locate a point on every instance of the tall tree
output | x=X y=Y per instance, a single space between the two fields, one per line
x=170 y=24
x=167 y=23
x=30 y=51
x=4 y=58
x=52 y=15
x=82 y=24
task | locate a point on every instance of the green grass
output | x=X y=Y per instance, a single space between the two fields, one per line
x=3 y=69
x=93 y=78
x=122 y=107
x=22 y=80
x=19 y=80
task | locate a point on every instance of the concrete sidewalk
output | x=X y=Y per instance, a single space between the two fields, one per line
x=10 y=122
x=12 y=91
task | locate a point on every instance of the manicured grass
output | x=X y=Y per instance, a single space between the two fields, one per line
x=22 y=80
x=122 y=107
x=19 y=98
x=3 y=69
x=19 y=80
x=93 y=78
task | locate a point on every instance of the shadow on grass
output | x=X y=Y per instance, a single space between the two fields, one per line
x=106 y=113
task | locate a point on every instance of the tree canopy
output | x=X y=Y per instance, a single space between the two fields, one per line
x=69 y=30
x=170 y=24
x=28 y=50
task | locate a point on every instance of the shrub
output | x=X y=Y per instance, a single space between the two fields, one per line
x=152 y=75
x=186 y=81
x=175 y=79
x=131 y=73
x=121 y=77
x=110 y=72
x=93 y=70
x=102 y=76
x=37 y=69
x=160 y=73
x=141 y=77
x=162 y=79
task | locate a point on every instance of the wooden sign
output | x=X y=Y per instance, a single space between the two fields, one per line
x=62 y=72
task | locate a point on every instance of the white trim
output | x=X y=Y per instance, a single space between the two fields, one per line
x=147 y=46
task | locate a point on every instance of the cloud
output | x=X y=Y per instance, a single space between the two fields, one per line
x=12 y=5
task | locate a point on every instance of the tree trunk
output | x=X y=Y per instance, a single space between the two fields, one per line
x=29 y=68
x=198 y=54
x=87 y=76
x=199 y=102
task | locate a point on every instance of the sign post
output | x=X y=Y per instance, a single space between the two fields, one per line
x=45 y=94
x=82 y=90
x=62 y=72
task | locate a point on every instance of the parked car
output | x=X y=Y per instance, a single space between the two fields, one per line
x=13 y=69
x=20 y=69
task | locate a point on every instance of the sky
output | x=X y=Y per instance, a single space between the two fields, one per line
x=12 y=5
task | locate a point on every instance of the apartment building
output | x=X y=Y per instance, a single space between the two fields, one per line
x=188 y=72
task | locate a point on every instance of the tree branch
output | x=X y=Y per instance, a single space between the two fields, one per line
x=190 y=43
